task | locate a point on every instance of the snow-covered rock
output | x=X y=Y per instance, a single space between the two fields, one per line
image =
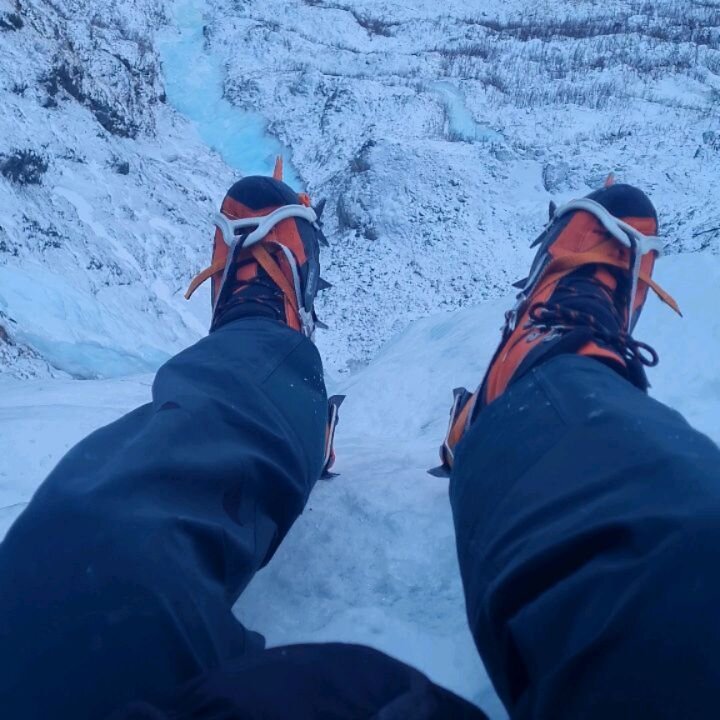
x=106 y=194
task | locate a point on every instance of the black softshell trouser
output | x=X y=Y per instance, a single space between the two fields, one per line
x=588 y=526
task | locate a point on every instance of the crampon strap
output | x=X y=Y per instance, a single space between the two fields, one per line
x=571 y=262
x=231 y=230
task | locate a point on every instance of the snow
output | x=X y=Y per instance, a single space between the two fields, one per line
x=95 y=258
x=437 y=135
x=353 y=89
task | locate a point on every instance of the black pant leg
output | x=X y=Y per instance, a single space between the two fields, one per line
x=329 y=681
x=117 y=582
x=588 y=529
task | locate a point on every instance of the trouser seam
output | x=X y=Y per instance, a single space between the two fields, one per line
x=276 y=366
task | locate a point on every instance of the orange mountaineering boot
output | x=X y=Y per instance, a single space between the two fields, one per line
x=266 y=263
x=586 y=289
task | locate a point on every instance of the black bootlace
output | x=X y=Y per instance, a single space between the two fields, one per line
x=257 y=296
x=609 y=331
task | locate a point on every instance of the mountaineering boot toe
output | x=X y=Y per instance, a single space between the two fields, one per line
x=266 y=255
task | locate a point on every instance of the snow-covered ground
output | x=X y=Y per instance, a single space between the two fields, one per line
x=438 y=136
x=375 y=545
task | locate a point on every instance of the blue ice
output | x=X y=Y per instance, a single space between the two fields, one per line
x=63 y=322
x=461 y=124
x=91 y=360
x=194 y=87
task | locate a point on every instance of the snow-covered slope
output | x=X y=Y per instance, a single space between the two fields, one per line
x=378 y=99
x=106 y=193
x=372 y=560
x=438 y=134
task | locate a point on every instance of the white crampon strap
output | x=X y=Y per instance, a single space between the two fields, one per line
x=620 y=230
x=306 y=318
x=263 y=224
x=625 y=234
